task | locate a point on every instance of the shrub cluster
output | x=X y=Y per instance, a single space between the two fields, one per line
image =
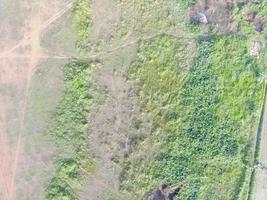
x=68 y=132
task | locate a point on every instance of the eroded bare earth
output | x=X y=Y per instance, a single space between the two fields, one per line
x=21 y=30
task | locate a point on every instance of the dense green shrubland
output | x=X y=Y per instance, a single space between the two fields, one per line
x=68 y=132
x=200 y=127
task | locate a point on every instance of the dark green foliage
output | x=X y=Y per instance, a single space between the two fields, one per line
x=68 y=131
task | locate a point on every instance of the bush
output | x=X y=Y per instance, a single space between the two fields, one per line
x=68 y=130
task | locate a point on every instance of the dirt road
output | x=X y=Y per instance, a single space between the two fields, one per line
x=15 y=78
x=260 y=190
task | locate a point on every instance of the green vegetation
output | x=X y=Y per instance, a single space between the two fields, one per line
x=203 y=108
x=83 y=22
x=201 y=126
x=161 y=71
x=186 y=3
x=248 y=28
x=68 y=130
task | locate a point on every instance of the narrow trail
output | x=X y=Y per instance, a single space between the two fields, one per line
x=43 y=26
x=260 y=190
x=9 y=159
x=102 y=53
x=36 y=51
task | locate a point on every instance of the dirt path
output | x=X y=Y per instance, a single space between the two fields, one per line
x=17 y=73
x=34 y=54
x=36 y=31
x=260 y=190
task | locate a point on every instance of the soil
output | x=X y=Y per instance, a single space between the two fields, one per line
x=260 y=190
x=115 y=104
x=114 y=123
x=106 y=15
x=110 y=128
x=164 y=192
x=21 y=53
x=218 y=14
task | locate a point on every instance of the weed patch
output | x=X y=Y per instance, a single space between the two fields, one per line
x=68 y=130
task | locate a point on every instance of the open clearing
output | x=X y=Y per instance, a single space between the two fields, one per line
x=21 y=52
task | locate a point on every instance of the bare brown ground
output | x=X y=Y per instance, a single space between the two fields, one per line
x=260 y=190
x=110 y=120
x=104 y=27
x=17 y=72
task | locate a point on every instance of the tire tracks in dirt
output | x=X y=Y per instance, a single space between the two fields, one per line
x=259 y=192
x=9 y=162
x=24 y=41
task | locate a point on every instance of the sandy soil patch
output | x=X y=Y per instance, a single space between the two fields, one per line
x=21 y=28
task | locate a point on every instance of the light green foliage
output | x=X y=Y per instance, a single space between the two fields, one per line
x=160 y=71
x=201 y=116
x=63 y=184
x=68 y=130
x=200 y=130
x=82 y=20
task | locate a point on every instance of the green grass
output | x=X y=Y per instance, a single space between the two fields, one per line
x=201 y=126
x=68 y=130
